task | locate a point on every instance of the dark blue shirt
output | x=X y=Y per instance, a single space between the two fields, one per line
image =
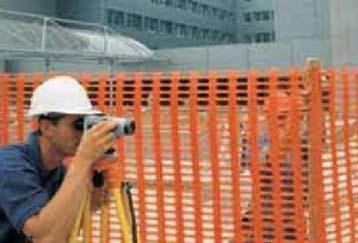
x=25 y=186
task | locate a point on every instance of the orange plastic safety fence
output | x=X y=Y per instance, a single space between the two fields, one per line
x=225 y=157
x=175 y=146
x=158 y=158
x=20 y=83
x=119 y=111
x=348 y=151
x=297 y=153
x=195 y=157
x=333 y=144
x=4 y=106
x=274 y=153
x=317 y=226
x=256 y=222
x=235 y=164
x=139 y=158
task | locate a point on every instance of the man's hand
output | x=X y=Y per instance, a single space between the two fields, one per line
x=96 y=141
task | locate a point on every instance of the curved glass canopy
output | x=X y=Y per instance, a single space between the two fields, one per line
x=34 y=36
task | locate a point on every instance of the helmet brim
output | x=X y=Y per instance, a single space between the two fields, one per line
x=73 y=112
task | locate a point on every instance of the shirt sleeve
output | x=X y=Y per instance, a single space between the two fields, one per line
x=21 y=193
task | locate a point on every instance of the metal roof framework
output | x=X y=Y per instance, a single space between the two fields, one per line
x=30 y=36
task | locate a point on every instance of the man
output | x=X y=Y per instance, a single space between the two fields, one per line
x=280 y=120
x=39 y=201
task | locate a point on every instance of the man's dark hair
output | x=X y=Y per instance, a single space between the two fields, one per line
x=53 y=117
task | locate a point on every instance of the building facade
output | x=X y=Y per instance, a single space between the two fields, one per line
x=256 y=21
x=42 y=7
x=295 y=30
x=160 y=23
x=167 y=23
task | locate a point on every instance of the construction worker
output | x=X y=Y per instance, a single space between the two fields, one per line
x=282 y=101
x=39 y=197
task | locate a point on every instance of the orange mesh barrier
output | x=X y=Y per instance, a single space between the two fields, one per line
x=224 y=157
x=195 y=158
x=4 y=104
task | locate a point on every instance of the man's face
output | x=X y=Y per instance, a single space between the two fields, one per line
x=64 y=137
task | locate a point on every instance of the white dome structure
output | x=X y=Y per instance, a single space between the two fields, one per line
x=35 y=36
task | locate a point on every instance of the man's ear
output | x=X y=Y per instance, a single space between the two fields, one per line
x=45 y=127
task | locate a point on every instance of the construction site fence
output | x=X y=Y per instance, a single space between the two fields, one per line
x=217 y=157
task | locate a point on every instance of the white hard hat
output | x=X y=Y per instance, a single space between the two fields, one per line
x=61 y=94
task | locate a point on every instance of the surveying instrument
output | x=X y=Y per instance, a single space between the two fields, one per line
x=106 y=177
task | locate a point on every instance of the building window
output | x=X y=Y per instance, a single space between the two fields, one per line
x=232 y=16
x=206 y=34
x=222 y=15
x=205 y=10
x=181 y=4
x=154 y=25
x=166 y=27
x=210 y=12
x=151 y=24
x=215 y=35
x=134 y=21
x=247 y=17
x=257 y=16
x=119 y=20
x=200 y=9
x=263 y=37
x=129 y=21
x=168 y=3
x=197 y=8
x=110 y=16
x=180 y=30
x=194 y=7
x=137 y=22
x=115 y=17
x=266 y=15
x=215 y=12
x=262 y=15
x=247 y=38
x=195 y=33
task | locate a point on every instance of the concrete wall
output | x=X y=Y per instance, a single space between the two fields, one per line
x=236 y=57
x=343 y=26
x=298 y=19
x=3 y=64
x=334 y=22
x=30 y=66
x=221 y=57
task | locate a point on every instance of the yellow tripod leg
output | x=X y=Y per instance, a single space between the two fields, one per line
x=77 y=225
x=87 y=221
x=123 y=215
x=127 y=205
x=105 y=220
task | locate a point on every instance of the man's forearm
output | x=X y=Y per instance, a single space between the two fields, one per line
x=56 y=220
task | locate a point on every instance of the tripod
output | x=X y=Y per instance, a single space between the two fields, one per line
x=113 y=186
